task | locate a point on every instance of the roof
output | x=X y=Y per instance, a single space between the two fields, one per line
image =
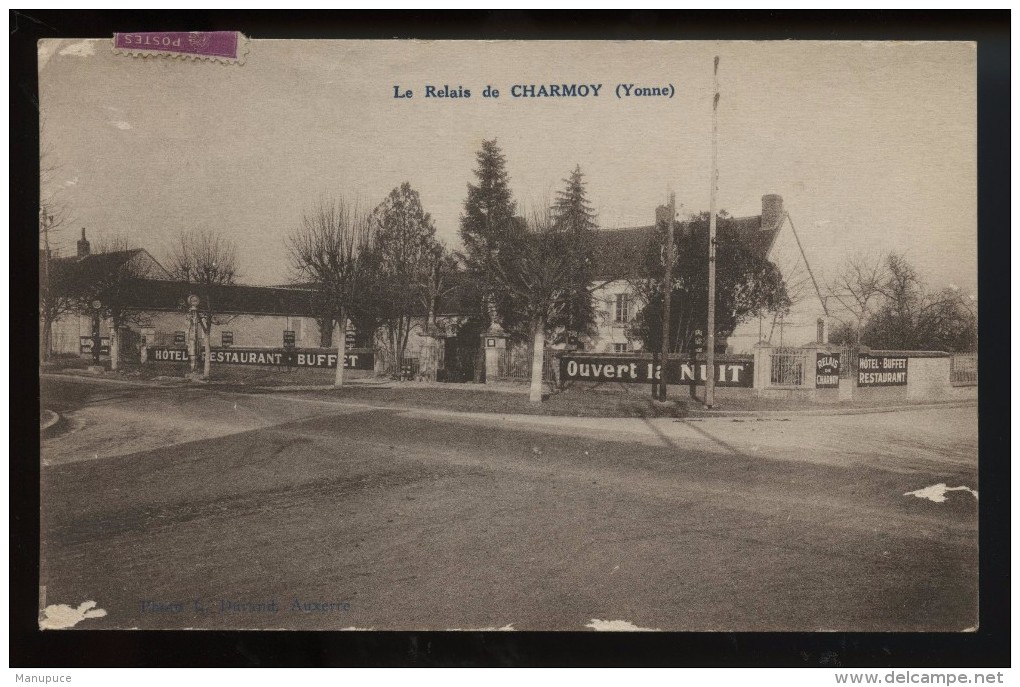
x=618 y=252
x=97 y=261
x=103 y=263
x=235 y=299
x=460 y=295
x=296 y=300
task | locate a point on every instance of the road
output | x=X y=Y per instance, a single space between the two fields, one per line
x=192 y=508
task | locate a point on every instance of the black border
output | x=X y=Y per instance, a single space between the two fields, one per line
x=989 y=647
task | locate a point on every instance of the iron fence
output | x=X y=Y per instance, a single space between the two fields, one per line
x=514 y=364
x=423 y=363
x=963 y=369
x=788 y=365
x=848 y=361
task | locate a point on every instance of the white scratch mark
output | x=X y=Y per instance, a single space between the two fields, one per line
x=937 y=492
x=972 y=628
x=62 y=616
x=356 y=629
x=80 y=49
x=617 y=626
x=615 y=568
x=505 y=628
x=120 y=124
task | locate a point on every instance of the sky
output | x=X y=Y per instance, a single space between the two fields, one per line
x=871 y=145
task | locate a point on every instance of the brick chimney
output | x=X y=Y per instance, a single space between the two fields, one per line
x=772 y=212
x=84 y=249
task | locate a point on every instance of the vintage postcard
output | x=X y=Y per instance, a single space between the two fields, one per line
x=508 y=335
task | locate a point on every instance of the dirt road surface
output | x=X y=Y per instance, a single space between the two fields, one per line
x=178 y=508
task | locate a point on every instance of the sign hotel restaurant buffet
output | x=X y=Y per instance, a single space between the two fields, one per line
x=266 y=357
x=881 y=370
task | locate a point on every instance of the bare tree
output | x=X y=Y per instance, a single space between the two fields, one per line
x=440 y=267
x=55 y=294
x=536 y=278
x=208 y=261
x=335 y=249
x=858 y=286
x=911 y=317
x=53 y=209
x=57 y=298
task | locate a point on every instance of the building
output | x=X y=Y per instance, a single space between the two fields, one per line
x=769 y=235
x=70 y=329
x=269 y=316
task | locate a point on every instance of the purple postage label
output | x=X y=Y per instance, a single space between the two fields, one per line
x=225 y=46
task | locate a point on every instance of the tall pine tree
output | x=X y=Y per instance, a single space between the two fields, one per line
x=573 y=214
x=489 y=208
x=485 y=225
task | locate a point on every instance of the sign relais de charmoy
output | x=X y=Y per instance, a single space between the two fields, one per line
x=266 y=357
x=644 y=371
x=826 y=371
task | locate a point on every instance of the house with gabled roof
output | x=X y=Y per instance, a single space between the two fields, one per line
x=619 y=252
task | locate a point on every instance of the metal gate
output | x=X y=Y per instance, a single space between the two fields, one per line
x=848 y=361
x=788 y=365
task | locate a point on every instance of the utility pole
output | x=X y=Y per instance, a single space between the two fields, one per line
x=667 y=293
x=47 y=219
x=710 y=353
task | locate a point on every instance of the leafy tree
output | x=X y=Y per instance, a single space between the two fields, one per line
x=747 y=285
x=208 y=261
x=485 y=227
x=408 y=254
x=334 y=248
x=573 y=214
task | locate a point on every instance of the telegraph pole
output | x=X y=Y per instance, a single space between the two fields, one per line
x=710 y=353
x=667 y=293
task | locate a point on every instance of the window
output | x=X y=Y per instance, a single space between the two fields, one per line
x=296 y=326
x=619 y=348
x=622 y=307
